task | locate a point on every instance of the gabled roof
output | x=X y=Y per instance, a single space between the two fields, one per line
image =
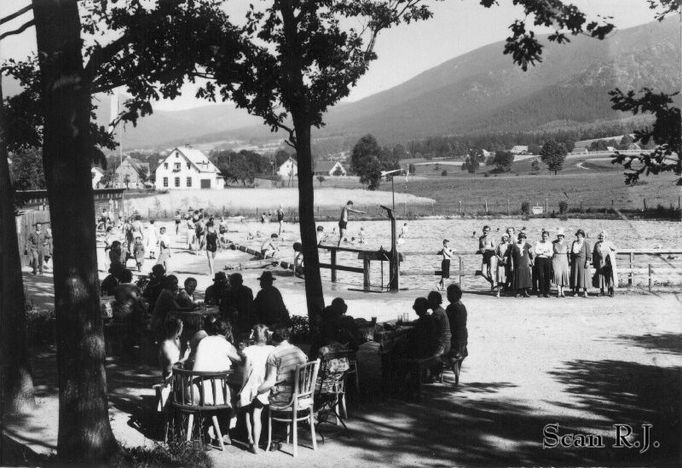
x=292 y=160
x=136 y=164
x=326 y=166
x=197 y=158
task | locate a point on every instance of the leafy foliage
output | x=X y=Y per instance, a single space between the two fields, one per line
x=665 y=133
x=368 y=159
x=553 y=154
x=503 y=161
x=27 y=170
x=241 y=167
x=471 y=164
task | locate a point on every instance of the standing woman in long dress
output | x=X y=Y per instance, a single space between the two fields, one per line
x=580 y=255
x=521 y=260
x=501 y=252
x=560 y=263
x=604 y=262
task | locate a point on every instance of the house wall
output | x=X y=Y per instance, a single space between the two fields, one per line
x=285 y=169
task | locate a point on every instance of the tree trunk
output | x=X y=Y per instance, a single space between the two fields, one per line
x=306 y=214
x=16 y=383
x=84 y=431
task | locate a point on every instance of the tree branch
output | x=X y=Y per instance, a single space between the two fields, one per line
x=19 y=30
x=15 y=14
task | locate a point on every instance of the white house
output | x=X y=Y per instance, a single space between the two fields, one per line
x=330 y=168
x=289 y=168
x=187 y=168
x=97 y=175
x=519 y=149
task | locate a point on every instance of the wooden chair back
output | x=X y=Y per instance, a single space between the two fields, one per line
x=200 y=391
x=304 y=384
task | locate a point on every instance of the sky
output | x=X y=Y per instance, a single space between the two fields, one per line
x=458 y=26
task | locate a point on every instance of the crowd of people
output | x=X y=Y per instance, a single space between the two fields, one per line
x=514 y=266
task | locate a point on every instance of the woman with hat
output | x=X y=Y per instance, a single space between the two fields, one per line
x=521 y=260
x=604 y=262
x=560 y=263
x=580 y=256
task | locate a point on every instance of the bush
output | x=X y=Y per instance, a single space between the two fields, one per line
x=525 y=208
x=300 y=329
x=444 y=173
x=563 y=207
x=178 y=453
x=486 y=175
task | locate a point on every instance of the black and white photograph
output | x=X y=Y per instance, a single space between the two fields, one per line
x=340 y=233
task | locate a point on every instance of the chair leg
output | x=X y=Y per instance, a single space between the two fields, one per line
x=216 y=426
x=288 y=433
x=267 y=449
x=190 y=425
x=312 y=429
x=295 y=430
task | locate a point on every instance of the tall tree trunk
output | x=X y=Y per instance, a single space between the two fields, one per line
x=299 y=106
x=306 y=214
x=15 y=371
x=84 y=431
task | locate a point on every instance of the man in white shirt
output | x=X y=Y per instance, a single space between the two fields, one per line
x=543 y=263
x=164 y=248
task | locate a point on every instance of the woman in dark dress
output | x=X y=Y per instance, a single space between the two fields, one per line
x=580 y=256
x=521 y=255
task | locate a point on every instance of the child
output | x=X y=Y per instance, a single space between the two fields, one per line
x=447 y=253
x=138 y=252
x=269 y=247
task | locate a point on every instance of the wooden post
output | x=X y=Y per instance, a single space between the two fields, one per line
x=394 y=264
x=507 y=206
x=651 y=279
x=459 y=258
x=632 y=258
x=644 y=200
x=486 y=206
x=365 y=273
x=460 y=207
x=333 y=262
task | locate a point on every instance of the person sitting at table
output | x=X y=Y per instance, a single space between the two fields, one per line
x=281 y=368
x=269 y=308
x=186 y=295
x=118 y=274
x=166 y=303
x=236 y=306
x=169 y=351
x=217 y=290
x=153 y=289
x=335 y=322
x=250 y=400
x=423 y=340
x=443 y=329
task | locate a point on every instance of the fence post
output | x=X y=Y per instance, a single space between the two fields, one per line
x=632 y=258
x=486 y=206
x=365 y=273
x=651 y=280
x=460 y=207
x=333 y=262
x=507 y=206
x=644 y=200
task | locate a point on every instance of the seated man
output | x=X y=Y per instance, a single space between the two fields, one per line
x=165 y=304
x=422 y=340
x=281 y=368
x=335 y=322
x=217 y=290
x=186 y=295
x=236 y=306
x=153 y=289
x=118 y=275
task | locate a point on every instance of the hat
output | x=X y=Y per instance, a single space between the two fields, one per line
x=580 y=231
x=267 y=275
x=560 y=232
x=219 y=276
x=522 y=235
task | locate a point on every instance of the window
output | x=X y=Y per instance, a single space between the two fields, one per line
x=165 y=181
x=177 y=181
x=189 y=166
x=189 y=181
x=165 y=165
